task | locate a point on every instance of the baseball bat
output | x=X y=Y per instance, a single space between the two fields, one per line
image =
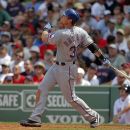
x=120 y=72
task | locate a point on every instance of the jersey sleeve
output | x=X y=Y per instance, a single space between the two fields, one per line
x=54 y=38
x=86 y=39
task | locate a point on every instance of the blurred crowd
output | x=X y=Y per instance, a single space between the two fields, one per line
x=24 y=58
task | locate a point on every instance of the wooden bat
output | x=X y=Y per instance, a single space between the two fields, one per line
x=120 y=72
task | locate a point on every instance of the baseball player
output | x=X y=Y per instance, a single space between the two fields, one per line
x=124 y=113
x=68 y=40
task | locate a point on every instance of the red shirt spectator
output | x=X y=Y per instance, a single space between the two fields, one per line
x=45 y=47
x=37 y=79
x=19 y=80
x=39 y=70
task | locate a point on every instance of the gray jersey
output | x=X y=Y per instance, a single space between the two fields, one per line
x=67 y=41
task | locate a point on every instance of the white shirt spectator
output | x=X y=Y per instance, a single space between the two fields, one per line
x=7 y=58
x=84 y=83
x=97 y=9
x=127 y=114
x=118 y=107
x=123 y=46
x=94 y=81
x=43 y=10
x=115 y=82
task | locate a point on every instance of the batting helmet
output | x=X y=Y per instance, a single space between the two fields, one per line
x=127 y=88
x=72 y=14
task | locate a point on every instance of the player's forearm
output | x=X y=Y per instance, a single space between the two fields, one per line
x=96 y=50
x=124 y=110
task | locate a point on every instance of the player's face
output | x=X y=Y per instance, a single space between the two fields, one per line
x=64 y=22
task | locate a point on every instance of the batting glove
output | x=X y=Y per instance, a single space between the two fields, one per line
x=106 y=62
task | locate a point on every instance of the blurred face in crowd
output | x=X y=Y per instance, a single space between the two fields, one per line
x=120 y=79
x=127 y=30
x=117 y=10
x=112 y=51
x=119 y=38
x=122 y=92
x=34 y=54
x=5 y=69
x=19 y=56
x=39 y=70
x=91 y=71
x=111 y=26
x=15 y=33
x=16 y=70
x=29 y=41
x=3 y=51
x=8 y=81
x=6 y=27
x=119 y=19
x=28 y=65
x=5 y=39
x=48 y=56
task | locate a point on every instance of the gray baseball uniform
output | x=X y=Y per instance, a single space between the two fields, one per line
x=67 y=41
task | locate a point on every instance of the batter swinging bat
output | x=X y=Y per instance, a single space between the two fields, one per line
x=120 y=72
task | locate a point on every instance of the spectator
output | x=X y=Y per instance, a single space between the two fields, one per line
x=28 y=80
x=17 y=77
x=8 y=80
x=45 y=47
x=126 y=20
x=126 y=68
x=5 y=71
x=117 y=108
x=121 y=41
x=33 y=3
x=29 y=43
x=14 y=8
x=15 y=47
x=111 y=29
x=28 y=67
x=91 y=75
x=38 y=41
x=6 y=40
x=4 y=16
x=18 y=60
x=80 y=80
x=110 y=5
x=125 y=111
x=105 y=75
x=127 y=32
x=120 y=79
x=6 y=27
x=34 y=50
x=119 y=21
x=116 y=58
x=4 y=56
x=97 y=9
x=39 y=69
x=48 y=59
x=103 y=24
x=128 y=53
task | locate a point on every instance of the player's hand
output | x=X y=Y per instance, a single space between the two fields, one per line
x=106 y=62
x=45 y=36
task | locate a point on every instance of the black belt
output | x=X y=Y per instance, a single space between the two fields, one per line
x=63 y=63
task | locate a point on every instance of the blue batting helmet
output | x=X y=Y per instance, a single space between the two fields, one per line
x=72 y=14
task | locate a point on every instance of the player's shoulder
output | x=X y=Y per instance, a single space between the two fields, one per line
x=80 y=30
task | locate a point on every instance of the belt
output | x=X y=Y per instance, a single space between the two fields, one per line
x=63 y=63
